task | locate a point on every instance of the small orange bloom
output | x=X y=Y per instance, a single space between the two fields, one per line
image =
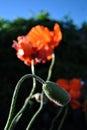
x=38 y=44
x=73 y=87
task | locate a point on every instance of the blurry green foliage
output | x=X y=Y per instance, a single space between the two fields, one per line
x=43 y=16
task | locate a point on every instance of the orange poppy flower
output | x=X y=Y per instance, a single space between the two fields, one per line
x=64 y=83
x=38 y=44
x=72 y=86
x=75 y=104
x=75 y=84
x=74 y=94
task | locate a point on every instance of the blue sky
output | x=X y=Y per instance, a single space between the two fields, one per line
x=77 y=9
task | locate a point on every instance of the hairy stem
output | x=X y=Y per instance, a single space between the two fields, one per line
x=36 y=114
x=51 y=67
x=55 y=118
x=64 y=116
x=15 y=94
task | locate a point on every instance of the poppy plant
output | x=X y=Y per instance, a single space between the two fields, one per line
x=38 y=44
x=73 y=87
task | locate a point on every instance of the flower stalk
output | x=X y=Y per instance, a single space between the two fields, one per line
x=63 y=118
x=51 y=67
x=14 y=98
x=55 y=118
x=37 y=112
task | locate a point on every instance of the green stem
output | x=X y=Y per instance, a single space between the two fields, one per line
x=61 y=123
x=34 y=80
x=36 y=114
x=55 y=118
x=51 y=67
x=18 y=115
x=14 y=98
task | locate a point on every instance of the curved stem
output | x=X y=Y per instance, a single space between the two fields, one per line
x=55 y=118
x=36 y=114
x=34 y=80
x=61 y=123
x=11 y=113
x=18 y=115
x=51 y=67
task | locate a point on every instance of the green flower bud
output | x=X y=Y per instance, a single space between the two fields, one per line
x=56 y=94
